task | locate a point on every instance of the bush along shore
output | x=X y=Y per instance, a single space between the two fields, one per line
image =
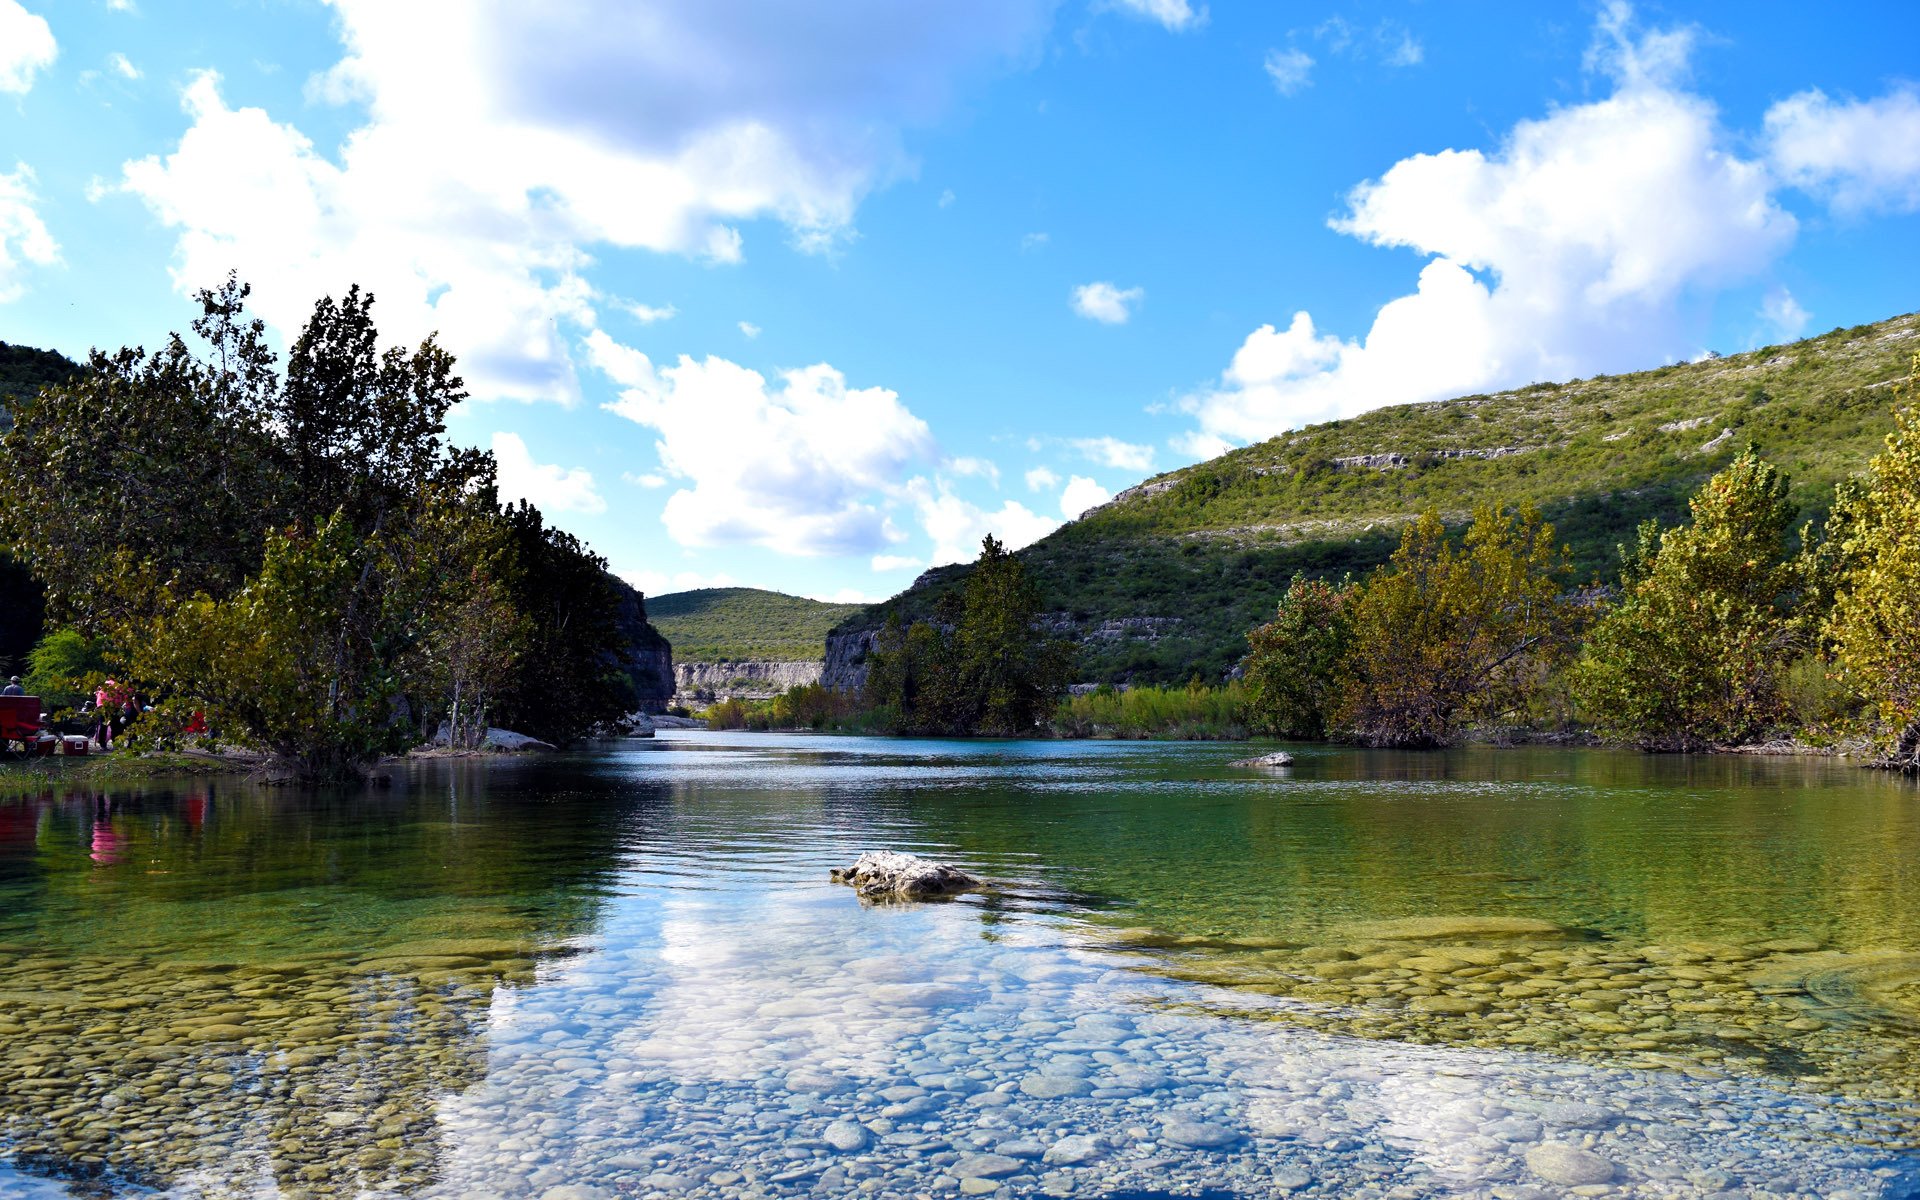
x=1732 y=630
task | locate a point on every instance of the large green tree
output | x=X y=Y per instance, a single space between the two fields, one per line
x=1294 y=668
x=1694 y=653
x=1447 y=635
x=981 y=666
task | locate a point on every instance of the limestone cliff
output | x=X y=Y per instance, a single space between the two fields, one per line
x=846 y=665
x=698 y=684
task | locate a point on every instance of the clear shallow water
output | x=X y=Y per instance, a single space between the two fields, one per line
x=1485 y=974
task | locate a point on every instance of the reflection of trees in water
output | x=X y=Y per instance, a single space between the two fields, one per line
x=231 y=986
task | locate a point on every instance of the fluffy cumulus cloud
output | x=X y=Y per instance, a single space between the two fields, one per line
x=957 y=525
x=1106 y=303
x=802 y=464
x=1564 y=251
x=26 y=47
x=503 y=142
x=895 y=562
x=1862 y=155
x=1081 y=494
x=552 y=489
x=1041 y=479
x=24 y=240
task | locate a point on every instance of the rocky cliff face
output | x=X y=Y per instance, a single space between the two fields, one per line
x=649 y=659
x=846 y=665
x=697 y=684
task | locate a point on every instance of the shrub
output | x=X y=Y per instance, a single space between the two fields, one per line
x=1696 y=650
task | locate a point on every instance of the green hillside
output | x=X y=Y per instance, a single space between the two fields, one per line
x=24 y=371
x=1162 y=583
x=744 y=624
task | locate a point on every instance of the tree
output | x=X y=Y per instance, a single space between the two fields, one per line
x=980 y=666
x=301 y=660
x=1874 y=622
x=159 y=461
x=1445 y=635
x=307 y=555
x=63 y=667
x=1010 y=673
x=1694 y=653
x=1293 y=670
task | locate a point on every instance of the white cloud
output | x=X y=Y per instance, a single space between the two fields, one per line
x=895 y=562
x=122 y=66
x=1177 y=15
x=1034 y=241
x=957 y=526
x=1563 y=252
x=1290 y=69
x=125 y=6
x=947 y=198
x=26 y=47
x=648 y=480
x=1784 y=317
x=750 y=330
x=848 y=595
x=661 y=583
x=24 y=238
x=1106 y=303
x=1402 y=49
x=1081 y=494
x=1112 y=452
x=800 y=466
x=1041 y=479
x=975 y=468
x=1862 y=155
x=503 y=142
x=648 y=314
x=550 y=488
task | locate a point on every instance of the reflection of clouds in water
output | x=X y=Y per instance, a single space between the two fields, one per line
x=731 y=1027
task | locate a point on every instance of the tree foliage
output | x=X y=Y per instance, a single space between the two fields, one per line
x=1444 y=635
x=303 y=553
x=1696 y=651
x=981 y=666
x=1295 y=664
x=1874 y=621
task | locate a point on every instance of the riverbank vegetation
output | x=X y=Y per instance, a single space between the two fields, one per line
x=294 y=556
x=1730 y=629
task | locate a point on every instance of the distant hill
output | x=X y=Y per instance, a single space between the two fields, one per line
x=744 y=625
x=24 y=371
x=1163 y=582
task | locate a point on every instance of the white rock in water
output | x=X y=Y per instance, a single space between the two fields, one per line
x=1568 y=1166
x=497 y=739
x=890 y=875
x=1279 y=758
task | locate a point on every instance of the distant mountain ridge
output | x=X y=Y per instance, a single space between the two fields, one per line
x=1162 y=583
x=738 y=624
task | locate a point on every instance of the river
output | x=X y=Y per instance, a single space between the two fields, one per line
x=1487 y=973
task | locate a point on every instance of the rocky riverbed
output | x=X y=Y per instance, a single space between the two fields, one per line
x=741 y=1058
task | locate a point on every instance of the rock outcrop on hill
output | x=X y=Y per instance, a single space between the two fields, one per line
x=698 y=684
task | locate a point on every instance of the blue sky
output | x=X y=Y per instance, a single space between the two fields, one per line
x=814 y=301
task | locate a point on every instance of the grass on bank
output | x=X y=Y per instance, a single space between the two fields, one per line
x=744 y=625
x=27 y=776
